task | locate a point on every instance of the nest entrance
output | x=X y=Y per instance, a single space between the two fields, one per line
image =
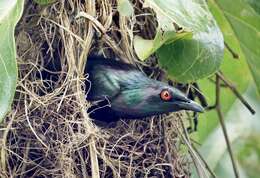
x=48 y=132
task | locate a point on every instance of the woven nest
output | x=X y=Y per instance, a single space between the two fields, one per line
x=48 y=132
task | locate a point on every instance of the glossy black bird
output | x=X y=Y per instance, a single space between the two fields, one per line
x=128 y=93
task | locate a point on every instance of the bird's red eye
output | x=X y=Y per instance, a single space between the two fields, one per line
x=165 y=95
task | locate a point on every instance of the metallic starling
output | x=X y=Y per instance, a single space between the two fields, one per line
x=122 y=91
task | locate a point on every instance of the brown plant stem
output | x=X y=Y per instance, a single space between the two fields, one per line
x=204 y=161
x=223 y=126
x=233 y=53
x=235 y=91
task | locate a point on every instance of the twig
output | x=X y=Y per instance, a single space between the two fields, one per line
x=98 y=26
x=3 y=156
x=81 y=94
x=233 y=53
x=211 y=107
x=235 y=91
x=223 y=126
x=25 y=157
x=168 y=156
x=204 y=161
x=197 y=162
x=96 y=23
x=221 y=84
x=31 y=127
x=80 y=40
x=83 y=164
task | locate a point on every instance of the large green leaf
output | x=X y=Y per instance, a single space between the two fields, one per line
x=189 y=59
x=166 y=31
x=244 y=19
x=10 y=13
x=144 y=48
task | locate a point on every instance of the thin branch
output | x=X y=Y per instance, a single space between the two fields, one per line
x=221 y=84
x=204 y=161
x=232 y=52
x=211 y=107
x=196 y=159
x=3 y=156
x=31 y=127
x=168 y=155
x=96 y=23
x=223 y=126
x=235 y=91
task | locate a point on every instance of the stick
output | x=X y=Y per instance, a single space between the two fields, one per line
x=223 y=126
x=235 y=91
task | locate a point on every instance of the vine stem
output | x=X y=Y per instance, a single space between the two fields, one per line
x=223 y=126
x=213 y=175
x=232 y=52
x=235 y=91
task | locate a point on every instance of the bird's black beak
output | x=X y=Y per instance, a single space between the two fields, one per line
x=187 y=104
x=190 y=105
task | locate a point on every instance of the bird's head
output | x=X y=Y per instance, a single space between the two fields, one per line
x=153 y=98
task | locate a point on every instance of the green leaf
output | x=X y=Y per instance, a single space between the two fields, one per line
x=125 y=8
x=10 y=13
x=144 y=48
x=188 y=60
x=255 y=4
x=44 y=2
x=166 y=31
x=244 y=19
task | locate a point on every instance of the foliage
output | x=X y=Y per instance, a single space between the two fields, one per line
x=240 y=26
x=186 y=58
x=244 y=19
x=10 y=13
x=235 y=70
x=189 y=46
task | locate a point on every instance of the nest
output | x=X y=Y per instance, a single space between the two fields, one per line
x=48 y=132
